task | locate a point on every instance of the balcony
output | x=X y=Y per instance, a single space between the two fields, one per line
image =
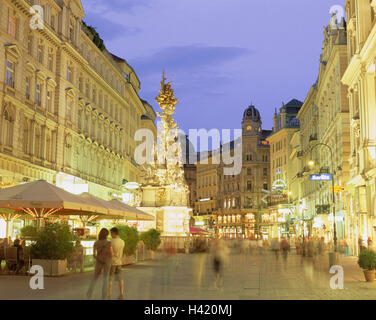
x=324 y=170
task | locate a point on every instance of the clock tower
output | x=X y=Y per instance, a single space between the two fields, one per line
x=251 y=124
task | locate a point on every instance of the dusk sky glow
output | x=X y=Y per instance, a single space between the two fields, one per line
x=221 y=55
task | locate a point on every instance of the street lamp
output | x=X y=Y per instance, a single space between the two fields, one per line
x=311 y=164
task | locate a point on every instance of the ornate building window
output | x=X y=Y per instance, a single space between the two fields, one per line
x=40 y=53
x=68 y=150
x=25 y=141
x=37 y=143
x=87 y=89
x=12 y=26
x=48 y=147
x=8 y=123
x=50 y=61
x=71 y=30
x=81 y=83
x=38 y=94
x=27 y=87
x=69 y=73
x=49 y=101
x=10 y=74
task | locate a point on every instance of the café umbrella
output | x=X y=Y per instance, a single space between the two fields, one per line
x=131 y=212
x=115 y=211
x=41 y=200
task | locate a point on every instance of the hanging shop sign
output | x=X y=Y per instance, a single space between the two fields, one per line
x=321 y=177
x=279 y=185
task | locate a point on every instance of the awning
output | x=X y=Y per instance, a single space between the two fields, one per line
x=133 y=213
x=196 y=230
x=41 y=199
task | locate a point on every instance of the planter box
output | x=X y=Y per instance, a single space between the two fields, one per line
x=52 y=268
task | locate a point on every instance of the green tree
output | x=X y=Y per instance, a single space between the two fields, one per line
x=130 y=237
x=29 y=232
x=53 y=242
x=151 y=239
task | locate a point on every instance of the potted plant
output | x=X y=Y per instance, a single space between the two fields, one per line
x=367 y=261
x=131 y=238
x=152 y=240
x=52 y=246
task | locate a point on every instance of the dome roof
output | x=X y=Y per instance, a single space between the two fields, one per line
x=251 y=113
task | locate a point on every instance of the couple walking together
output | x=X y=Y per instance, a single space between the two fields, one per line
x=108 y=259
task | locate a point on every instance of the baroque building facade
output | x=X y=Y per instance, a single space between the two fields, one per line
x=285 y=124
x=69 y=108
x=236 y=201
x=324 y=139
x=359 y=78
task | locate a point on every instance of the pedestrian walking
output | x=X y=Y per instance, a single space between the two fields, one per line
x=275 y=248
x=219 y=255
x=285 y=247
x=265 y=245
x=102 y=254
x=3 y=251
x=260 y=246
x=117 y=245
x=321 y=246
x=298 y=245
x=360 y=244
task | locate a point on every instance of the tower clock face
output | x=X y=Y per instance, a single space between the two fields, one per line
x=249 y=128
x=249 y=113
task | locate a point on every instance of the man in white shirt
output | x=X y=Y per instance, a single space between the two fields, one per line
x=118 y=248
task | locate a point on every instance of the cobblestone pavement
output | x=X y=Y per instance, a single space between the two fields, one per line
x=246 y=277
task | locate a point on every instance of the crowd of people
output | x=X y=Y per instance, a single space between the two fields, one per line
x=18 y=265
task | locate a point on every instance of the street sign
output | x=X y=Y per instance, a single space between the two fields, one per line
x=279 y=185
x=321 y=177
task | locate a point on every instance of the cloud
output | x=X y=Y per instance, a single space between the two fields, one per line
x=184 y=58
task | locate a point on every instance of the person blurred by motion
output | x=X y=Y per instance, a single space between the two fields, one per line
x=360 y=244
x=102 y=254
x=265 y=245
x=171 y=265
x=3 y=251
x=275 y=248
x=117 y=245
x=219 y=256
x=260 y=245
x=285 y=247
x=321 y=246
x=20 y=255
